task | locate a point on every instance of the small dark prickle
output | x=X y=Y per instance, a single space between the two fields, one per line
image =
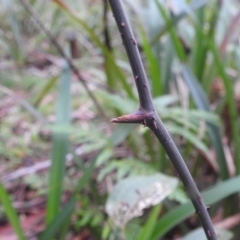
x=144 y=123
x=154 y=122
x=144 y=84
x=136 y=77
x=134 y=41
x=123 y=24
x=199 y=198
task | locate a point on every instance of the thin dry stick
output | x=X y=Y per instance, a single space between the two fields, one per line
x=147 y=116
x=54 y=41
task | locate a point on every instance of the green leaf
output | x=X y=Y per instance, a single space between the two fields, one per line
x=174 y=36
x=44 y=91
x=58 y=221
x=105 y=171
x=131 y=195
x=228 y=85
x=18 y=51
x=201 y=102
x=86 y=177
x=191 y=138
x=104 y=156
x=115 y=74
x=179 y=214
x=154 y=67
x=165 y=100
x=169 y=53
x=127 y=166
x=10 y=212
x=148 y=227
x=199 y=233
x=193 y=6
x=109 y=58
x=121 y=132
x=124 y=105
x=199 y=48
x=60 y=146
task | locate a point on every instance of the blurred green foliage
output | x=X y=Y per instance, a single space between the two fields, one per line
x=191 y=53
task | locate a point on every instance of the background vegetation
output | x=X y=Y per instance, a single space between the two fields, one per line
x=66 y=171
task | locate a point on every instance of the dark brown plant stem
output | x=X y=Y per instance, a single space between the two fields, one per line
x=54 y=41
x=147 y=116
x=105 y=26
x=73 y=45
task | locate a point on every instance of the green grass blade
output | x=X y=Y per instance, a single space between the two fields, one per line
x=17 y=50
x=167 y=64
x=121 y=132
x=86 y=176
x=201 y=46
x=110 y=73
x=193 y=6
x=10 y=213
x=228 y=85
x=196 y=89
x=109 y=58
x=179 y=214
x=175 y=40
x=60 y=145
x=148 y=227
x=114 y=75
x=46 y=88
x=71 y=12
x=122 y=79
x=60 y=219
x=192 y=138
x=201 y=102
x=154 y=68
x=55 y=226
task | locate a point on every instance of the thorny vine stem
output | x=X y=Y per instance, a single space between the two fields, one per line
x=147 y=116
